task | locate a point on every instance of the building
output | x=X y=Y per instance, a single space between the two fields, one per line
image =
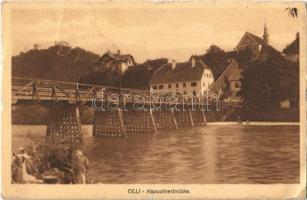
x=231 y=77
x=114 y=61
x=253 y=43
x=190 y=78
x=250 y=48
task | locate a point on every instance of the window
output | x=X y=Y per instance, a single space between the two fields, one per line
x=194 y=93
x=160 y=87
x=154 y=87
x=184 y=92
x=169 y=85
x=184 y=84
x=237 y=85
x=204 y=84
x=177 y=85
x=193 y=84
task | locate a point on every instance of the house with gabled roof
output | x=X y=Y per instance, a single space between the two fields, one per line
x=250 y=48
x=189 y=78
x=254 y=43
x=114 y=61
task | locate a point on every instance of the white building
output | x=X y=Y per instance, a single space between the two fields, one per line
x=190 y=78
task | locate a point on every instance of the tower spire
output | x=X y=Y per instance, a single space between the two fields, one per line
x=265 y=34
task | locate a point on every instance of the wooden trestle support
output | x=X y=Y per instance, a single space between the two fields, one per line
x=118 y=123
x=108 y=124
x=64 y=124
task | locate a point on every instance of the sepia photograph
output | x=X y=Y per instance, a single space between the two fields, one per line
x=154 y=98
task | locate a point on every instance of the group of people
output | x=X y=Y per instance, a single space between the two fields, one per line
x=31 y=169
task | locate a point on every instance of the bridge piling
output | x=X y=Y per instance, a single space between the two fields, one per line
x=191 y=118
x=139 y=121
x=108 y=123
x=153 y=121
x=164 y=119
x=204 y=117
x=199 y=117
x=174 y=120
x=64 y=123
x=183 y=118
x=121 y=122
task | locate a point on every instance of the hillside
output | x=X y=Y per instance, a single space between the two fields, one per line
x=59 y=62
x=136 y=76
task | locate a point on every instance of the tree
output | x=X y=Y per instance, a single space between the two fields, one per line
x=266 y=83
x=214 y=49
x=293 y=47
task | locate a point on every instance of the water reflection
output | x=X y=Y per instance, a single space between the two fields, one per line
x=211 y=154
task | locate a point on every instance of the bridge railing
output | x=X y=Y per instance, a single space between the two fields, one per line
x=39 y=89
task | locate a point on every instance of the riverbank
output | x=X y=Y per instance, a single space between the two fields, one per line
x=253 y=123
x=38 y=115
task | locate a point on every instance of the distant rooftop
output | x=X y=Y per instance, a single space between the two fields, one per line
x=182 y=72
x=117 y=56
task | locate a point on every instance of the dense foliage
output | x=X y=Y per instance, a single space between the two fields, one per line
x=137 y=76
x=217 y=59
x=267 y=82
x=55 y=63
x=293 y=47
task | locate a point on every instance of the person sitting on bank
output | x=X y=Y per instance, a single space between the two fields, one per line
x=80 y=166
x=25 y=158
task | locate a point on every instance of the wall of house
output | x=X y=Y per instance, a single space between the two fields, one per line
x=123 y=66
x=253 y=46
x=207 y=80
x=188 y=87
x=177 y=87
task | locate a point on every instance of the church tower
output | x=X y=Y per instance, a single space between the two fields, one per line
x=265 y=34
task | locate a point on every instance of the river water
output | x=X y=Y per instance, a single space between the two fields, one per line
x=210 y=154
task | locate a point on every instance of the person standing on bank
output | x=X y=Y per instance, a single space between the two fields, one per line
x=80 y=166
x=17 y=169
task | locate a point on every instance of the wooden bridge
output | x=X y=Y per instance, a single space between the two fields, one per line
x=48 y=90
x=117 y=111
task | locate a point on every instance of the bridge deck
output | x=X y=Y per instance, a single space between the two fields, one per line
x=29 y=89
x=38 y=89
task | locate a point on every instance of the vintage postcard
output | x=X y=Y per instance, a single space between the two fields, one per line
x=154 y=100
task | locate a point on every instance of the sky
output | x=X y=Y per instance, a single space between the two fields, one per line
x=151 y=31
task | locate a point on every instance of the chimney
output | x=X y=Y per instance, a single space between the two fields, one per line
x=118 y=52
x=173 y=64
x=193 y=61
